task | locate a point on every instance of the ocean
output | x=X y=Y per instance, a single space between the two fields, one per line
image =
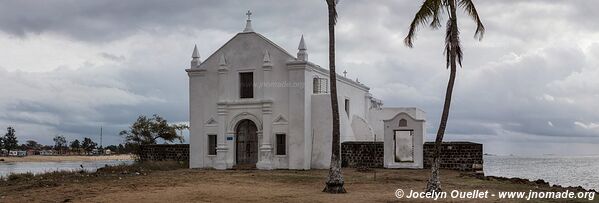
x=561 y=170
x=7 y=168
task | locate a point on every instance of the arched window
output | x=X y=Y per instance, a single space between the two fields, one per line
x=403 y=123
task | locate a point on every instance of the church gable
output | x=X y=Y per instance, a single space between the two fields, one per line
x=245 y=51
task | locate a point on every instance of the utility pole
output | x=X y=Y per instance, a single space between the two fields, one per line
x=101 y=148
x=375 y=155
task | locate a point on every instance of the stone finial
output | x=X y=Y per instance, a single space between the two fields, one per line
x=195 y=57
x=302 y=45
x=248 y=23
x=222 y=63
x=267 y=62
x=266 y=56
x=302 y=54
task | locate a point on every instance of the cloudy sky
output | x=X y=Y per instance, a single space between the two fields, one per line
x=530 y=87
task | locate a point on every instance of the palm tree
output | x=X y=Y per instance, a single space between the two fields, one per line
x=334 y=183
x=429 y=14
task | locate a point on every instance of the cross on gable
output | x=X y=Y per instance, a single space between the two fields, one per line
x=249 y=14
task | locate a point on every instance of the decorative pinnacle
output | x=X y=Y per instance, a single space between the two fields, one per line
x=302 y=44
x=195 y=57
x=195 y=53
x=267 y=65
x=248 y=24
x=266 y=56
x=302 y=55
x=222 y=61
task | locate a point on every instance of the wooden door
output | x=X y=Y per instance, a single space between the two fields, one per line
x=246 y=143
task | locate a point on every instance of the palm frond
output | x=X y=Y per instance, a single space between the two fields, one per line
x=452 y=42
x=437 y=8
x=428 y=10
x=470 y=9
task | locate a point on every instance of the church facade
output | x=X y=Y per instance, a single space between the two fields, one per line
x=253 y=104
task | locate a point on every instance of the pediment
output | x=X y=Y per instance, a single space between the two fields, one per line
x=280 y=120
x=211 y=121
x=236 y=50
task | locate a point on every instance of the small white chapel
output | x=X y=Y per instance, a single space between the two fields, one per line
x=253 y=104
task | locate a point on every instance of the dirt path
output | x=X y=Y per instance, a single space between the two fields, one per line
x=187 y=185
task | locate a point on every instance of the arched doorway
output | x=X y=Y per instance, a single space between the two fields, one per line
x=246 y=144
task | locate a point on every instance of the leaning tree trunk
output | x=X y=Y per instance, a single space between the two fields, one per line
x=334 y=183
x=434 y=183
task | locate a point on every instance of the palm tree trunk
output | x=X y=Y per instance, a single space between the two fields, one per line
x=334 y=183
x=434 y=183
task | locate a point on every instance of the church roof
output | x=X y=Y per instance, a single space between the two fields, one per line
x=251 y=33
x=302 y=46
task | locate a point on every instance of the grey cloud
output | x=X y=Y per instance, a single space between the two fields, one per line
x=112 y=57
x=533 y=67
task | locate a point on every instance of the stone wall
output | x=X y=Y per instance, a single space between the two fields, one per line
x=463 y=156
x=164 y=152
x=362 y=154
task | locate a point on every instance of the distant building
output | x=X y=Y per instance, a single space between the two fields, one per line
x=47 y=152
x=17 y=153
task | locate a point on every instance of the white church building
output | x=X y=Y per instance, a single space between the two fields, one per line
x=254 y=104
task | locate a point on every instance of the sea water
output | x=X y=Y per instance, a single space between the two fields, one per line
x=7 y=168
x=561 y=170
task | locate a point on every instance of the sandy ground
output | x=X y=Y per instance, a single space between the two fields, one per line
x=38 y=158
x=191 y=185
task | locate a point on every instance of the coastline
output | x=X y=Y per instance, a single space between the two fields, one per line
x=39 y=158
x=566 y=171
x=535 y=183
x=172 y=182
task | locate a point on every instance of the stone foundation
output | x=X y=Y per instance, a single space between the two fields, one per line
x=463 y=156
x=362 y=154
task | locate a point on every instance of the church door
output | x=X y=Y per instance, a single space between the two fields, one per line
x=246 y=144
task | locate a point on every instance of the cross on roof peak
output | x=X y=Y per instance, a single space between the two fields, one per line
x=248 y=23
x=249 y=14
